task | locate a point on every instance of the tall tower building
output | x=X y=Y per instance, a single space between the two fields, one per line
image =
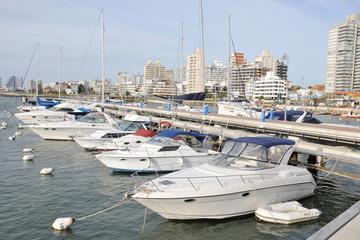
x=153 y=71
x=343 y=60
x=195 y=72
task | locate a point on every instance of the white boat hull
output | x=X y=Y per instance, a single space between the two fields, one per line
x=156 y=164
x=92 y=143
x=64 y=133
x=224 y=205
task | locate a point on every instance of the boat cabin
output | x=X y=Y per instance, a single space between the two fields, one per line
x=170 y=140
x=253 y=153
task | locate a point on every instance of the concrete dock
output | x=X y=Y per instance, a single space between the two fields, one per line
x=331 y=133
x=344 y=227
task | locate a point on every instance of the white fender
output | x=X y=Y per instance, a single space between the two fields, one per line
x=62 y=223
x=18 y=133
x=47 y=171
x=28 y=157
x=27 y=150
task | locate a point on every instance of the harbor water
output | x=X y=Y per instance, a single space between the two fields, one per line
x=81 y=185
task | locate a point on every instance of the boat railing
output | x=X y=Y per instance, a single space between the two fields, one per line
x=221 y=181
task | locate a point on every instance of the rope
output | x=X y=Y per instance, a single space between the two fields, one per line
x=143 y=226
x=331 y=171
x=118 y=204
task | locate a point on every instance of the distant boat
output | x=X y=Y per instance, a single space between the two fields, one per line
x=48 y=103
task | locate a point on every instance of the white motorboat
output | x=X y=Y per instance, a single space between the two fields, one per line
x=61 y=112
x=248 y=174
x=29 y=108
x=167 y=151
x=67 y=130
x=132 y=140
x=238 y=109
x=130 y=124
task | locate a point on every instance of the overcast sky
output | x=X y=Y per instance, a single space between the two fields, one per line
x=138 y=30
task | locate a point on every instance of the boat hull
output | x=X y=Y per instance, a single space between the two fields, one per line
x=156 y=164
x=226 y=205
x=62 y=133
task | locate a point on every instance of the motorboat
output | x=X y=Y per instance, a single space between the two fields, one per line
x=30 y=108
x=130 y=124
x=170 y=150
x=67 y=130
x=249 y=173
x=62 y=112
x=132 y=140
x=238 y=109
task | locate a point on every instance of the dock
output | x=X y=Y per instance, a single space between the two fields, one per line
x=337 y=153
x=330 y=133
x=344 y=226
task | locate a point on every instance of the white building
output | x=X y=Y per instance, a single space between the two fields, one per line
x=215 y=74
x=343 y=60
x=270 y=87
x=153 y=72
x=195 y=72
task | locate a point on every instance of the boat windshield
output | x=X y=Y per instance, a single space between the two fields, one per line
x=93 y=118
x=164 y=141
x=126 y=125
x=248 y=155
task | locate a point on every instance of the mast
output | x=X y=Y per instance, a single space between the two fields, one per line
x=182 y=53
x=37 y=70
x=60 y=50
x=202 y=44
x=229 y=60
x=102 y=58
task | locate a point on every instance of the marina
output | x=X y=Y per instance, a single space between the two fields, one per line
x=215 y=145
x=77 y=165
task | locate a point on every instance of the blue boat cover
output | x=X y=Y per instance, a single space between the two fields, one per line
x=85 y=110
x=279 y=115
x=266 y=141
x=175 y=133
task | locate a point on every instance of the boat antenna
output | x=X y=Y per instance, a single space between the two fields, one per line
x=229 y=60
x=102 y=58
x=37 y=70
x=60 y=52
x=28 y=68
x=182 y=53
x=202 y=45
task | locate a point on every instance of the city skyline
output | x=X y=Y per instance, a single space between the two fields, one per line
x=137 y=31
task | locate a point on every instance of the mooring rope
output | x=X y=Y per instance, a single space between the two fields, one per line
x=118 y=204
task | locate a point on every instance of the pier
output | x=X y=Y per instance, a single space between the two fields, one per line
x=331 y=133
x=344 y=226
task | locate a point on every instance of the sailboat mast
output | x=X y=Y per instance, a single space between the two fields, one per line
x=37 y=70
x=60 y=50
x=229 y=60
x=182 y=53
x=202 y=43
x=102 y=58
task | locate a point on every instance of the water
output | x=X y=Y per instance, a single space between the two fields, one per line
x=81 y=185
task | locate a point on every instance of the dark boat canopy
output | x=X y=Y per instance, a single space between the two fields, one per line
x=175 y=133
x=265 y=141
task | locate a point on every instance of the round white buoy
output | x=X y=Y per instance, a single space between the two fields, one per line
x=18 y=133
x=2 y=127
x=27 y=150
x=47 y=171
x=28 y=157
x=4 y=124
x=62 y=223
x=12 y=138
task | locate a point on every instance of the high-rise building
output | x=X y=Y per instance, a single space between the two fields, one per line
x=14 y=83
x=195 y=72
x=343 y=59
x=153 y=71
x=215 y=73
x=241 y=74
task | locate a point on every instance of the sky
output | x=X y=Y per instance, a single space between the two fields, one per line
x=141 y=30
